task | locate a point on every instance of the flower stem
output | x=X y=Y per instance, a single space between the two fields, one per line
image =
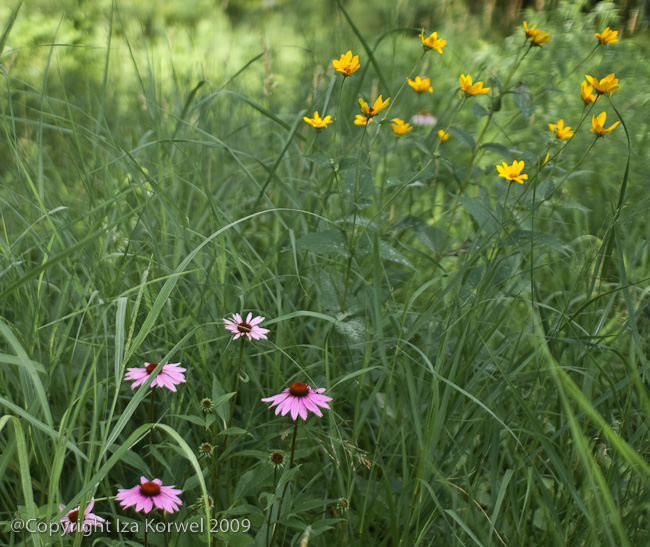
x=286 y=484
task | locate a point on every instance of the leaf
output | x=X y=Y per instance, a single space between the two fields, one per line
x=522 y=238
x=325 y=242
x=479 y=110
x=499 y=149
x=385 y=251
x=463 y=136
x=483 y=215
x=523 y=99
x=320 y=159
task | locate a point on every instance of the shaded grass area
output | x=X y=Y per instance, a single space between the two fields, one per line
x=488 y=370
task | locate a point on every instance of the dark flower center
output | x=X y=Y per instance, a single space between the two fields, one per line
x=151 y=367
x=206 y=448
x=244 y=327
x=299 y=390
x=149 y=489
x=277 y=458
x=73 y=515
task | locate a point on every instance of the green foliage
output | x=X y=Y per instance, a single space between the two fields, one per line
x=483 y=341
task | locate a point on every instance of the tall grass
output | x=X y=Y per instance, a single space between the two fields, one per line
x=484 y=342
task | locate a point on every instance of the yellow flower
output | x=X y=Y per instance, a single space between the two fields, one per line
x=561 y=132
x=512 y=172
x=361 y=120
x=539 y=38
x=442 y=135
x=608 y=36
x=467 y=87
x=370 y=111
x=400 y=127
x=606 y=85
x=432 y=42
x=586 y=91
x=530 y=32
x=421 y=85
x=348 y=64
x=317 y=122
x=598 y=124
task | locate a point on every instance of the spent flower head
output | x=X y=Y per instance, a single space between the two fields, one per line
x=348 y=63
x=560 y=131
x=512 y=172
x=598 y=125
x=70 y=520
x=469 y=88
x=205 y=449
x=277 y=458
x=299 y=399
x=608 y=36
x=606 y=85
x=587 y=93
x=421 y=84
x=432 y=42
x=317 y=122
x=207 y=405
x=170 y=376
x=249 y=328
x=149 y=493
x=400 y=127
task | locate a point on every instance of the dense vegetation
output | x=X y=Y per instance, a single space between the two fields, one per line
x=482 y=335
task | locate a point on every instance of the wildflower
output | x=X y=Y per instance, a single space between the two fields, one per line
x=608 y=36
x=248 y=328
x=442 y=135
x=317 y=122
x=467 y=87
x=421 y=85
x=586 y=90
x=70 y=521
x=598 y=124
x=561 y=132
x=512 y=172
x=276 y=458
x=207 y=405
x=205 y=449
x=170 y=376
x=539 y=38
x=606 y=85
x=370 y=111
x=423 y=117
x=348 y=64
x=298 y=399
x=432 y=42
x=530 y=32
x=361 y=120
x=149 y=493
x=400 y=127
x=200 y=503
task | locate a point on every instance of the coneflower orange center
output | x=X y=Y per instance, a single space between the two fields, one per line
x=73 y=515
x=244 y=327
x=299 y=389
x=151 y=367
x=149 y=489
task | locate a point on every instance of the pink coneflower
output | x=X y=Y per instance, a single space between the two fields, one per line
x=247 y=328
x=71 y=522
x=149 y=493
x=423 y=117
x=169 y=376
x=299 y=398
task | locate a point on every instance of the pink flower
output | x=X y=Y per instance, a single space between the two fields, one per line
x=150 y=493
x=247 y=328
x=169 y=376
x=423 y=117
x=299 y=398
x=71 y=520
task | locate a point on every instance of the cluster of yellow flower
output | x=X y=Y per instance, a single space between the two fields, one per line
x=590 y=90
